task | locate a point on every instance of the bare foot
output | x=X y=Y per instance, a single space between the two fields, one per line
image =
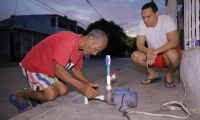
x=35 y=103
x=20 y=99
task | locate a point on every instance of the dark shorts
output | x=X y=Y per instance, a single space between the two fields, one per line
x=160 y=62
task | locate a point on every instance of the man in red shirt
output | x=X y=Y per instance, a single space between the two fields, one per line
x=46 y=66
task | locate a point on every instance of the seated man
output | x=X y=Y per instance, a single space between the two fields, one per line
x=46 y=66
x=161 y=35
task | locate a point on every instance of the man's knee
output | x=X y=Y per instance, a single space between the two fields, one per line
x=136 y=56
x=50 y=93
x=63 y=91
x=172 y=55
x=61 y=88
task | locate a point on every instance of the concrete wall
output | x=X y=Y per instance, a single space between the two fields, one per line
x=189 y=73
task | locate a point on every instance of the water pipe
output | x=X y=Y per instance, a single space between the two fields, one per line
x=108 y=96
x=100 y=97
x=123 y=98
x=108 y=87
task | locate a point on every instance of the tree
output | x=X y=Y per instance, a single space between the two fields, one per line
x=130 y=44
x=115 y=34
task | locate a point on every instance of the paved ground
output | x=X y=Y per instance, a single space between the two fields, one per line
x=72 y=107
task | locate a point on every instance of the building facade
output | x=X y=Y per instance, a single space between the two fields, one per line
x=19 y=34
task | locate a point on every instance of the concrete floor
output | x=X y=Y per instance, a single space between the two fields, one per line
x=72 y=107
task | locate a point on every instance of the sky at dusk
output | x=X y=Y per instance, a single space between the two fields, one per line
x=126 y=13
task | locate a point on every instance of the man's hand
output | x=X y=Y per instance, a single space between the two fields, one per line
x=90 y=90
x=151 y=57
x=151 y=53
x=150 y=62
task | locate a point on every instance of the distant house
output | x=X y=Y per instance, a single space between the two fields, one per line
x=19 y=34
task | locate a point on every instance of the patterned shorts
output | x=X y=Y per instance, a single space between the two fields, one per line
x=39 y=81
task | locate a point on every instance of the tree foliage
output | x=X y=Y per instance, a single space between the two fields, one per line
x=118 y=41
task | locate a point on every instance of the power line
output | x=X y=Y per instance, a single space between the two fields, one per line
x=54 y=3
x=116 y=2
x=50 y=10
x=68 y=14
x=43 y=7
x=57 y=11
x=16 y=7
x=37 y=18
x=48 y=6
x=94 y=8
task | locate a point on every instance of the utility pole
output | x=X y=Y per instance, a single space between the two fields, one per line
x=122 y=24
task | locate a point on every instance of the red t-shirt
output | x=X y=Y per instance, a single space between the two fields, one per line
x=61 y=47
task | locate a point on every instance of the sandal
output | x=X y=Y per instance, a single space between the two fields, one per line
x=24 y=106
x=153 y=80
x=169 y=84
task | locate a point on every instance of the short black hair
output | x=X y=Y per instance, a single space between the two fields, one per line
x=150 y=5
